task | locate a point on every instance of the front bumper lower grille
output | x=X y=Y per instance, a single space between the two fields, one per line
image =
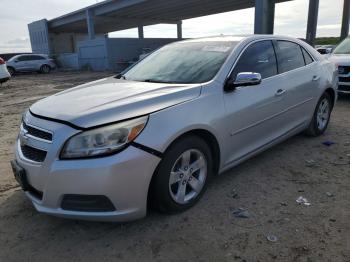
x=35 y=193
x=87 y=203
x=33 y=154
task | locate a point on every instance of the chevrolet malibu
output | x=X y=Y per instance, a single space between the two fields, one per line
x=156 y=134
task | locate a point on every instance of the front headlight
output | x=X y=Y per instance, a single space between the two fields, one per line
x=104 y=140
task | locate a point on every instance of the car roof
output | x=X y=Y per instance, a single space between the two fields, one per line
x=238 y=38
x=31 y=55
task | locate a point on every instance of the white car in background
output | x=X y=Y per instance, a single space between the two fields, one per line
x=4 y=73
x=341 y=58
x=30 y=63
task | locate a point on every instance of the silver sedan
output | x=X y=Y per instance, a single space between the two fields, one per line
x=155 y=134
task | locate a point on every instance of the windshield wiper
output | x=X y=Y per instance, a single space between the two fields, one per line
x=153 y=81
x=120 y=76
x=157 y=81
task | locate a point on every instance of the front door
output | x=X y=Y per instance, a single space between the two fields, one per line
x=255 y=113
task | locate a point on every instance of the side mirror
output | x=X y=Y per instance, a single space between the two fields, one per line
x=243 y=79
x=16 y=61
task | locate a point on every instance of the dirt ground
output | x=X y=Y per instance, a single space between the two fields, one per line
x=267 y=186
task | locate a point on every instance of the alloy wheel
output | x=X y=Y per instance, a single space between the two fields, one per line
x=323 y=114
x=188 y=176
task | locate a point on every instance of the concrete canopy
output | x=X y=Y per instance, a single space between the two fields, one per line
x=115 y=15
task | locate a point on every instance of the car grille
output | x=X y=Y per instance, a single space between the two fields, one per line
x=344 y=88
x=37 y=132
x=344 y=79
x=33 y=154
x=343 y=70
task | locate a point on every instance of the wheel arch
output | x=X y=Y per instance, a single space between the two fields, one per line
x=211 y=141
x=330 y=91
x=45 y=65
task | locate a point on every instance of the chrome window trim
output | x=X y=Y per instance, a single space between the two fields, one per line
x=269 y=39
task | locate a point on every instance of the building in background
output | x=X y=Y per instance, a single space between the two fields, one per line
x=80 y=39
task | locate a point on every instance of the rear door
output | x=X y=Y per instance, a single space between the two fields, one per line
x=255 y=113
x=35 y=62
x=299 y=81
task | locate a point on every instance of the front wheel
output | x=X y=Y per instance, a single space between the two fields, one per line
x=321 y=117
x=182 y=175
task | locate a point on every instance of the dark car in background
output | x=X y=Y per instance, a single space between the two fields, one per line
x=325 y=49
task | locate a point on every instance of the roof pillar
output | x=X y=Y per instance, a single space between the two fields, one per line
x=264 y=16
x=140 y=30
x=179 y=30
x=345 y=22
x=90 y=23
x=312 y=22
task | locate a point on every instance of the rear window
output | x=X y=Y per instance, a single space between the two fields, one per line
x=37 y=57
x=307 y=57
x=290 y=56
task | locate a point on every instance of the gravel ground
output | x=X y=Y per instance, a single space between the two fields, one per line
x=267 y=186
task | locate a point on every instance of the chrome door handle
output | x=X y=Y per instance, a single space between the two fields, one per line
x=280 y=92
x=315 y=78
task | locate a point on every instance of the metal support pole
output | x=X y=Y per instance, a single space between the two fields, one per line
x=346 y=19
x=90 y=23
x=264 y=16
x=179 y=30
x=140 y=29
x=312 y=22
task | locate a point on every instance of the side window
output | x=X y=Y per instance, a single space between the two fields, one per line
x=24 y=58
x=21 y=58
x=307 y=57
x=289 y=56
x=37 y=57
x=258 y=58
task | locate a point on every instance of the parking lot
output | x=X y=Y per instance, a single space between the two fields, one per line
x=267 y=186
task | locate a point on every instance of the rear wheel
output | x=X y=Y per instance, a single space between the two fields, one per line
x=321 y=117
x=11 y=70
x=45 y=69
x=182 y=175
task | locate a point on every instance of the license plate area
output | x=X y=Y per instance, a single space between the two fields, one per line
x=20 y=175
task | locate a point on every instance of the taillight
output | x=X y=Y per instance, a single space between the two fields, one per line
x=2 y=61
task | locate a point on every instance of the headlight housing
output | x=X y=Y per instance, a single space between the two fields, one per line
x=103 y=141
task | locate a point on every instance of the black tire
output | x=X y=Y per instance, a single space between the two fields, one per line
x=160 y=191
x=45 y=69
x=11 y=70
x=314 y=129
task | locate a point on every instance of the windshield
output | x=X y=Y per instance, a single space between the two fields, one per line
x=185 y=63
x=343 y=47
x=12 y=58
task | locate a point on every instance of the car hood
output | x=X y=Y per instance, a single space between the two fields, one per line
x=340 y=59
x=110 y=100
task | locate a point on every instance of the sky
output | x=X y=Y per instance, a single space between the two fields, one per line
x=290 y=19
